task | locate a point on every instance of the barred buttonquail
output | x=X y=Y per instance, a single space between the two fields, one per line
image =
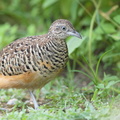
x=31 y=62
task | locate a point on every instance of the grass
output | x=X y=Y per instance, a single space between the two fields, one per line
x=60 y=100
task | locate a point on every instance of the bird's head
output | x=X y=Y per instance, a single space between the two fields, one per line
x=62 y=28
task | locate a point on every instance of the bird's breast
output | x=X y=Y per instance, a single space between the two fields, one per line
x=51 y=58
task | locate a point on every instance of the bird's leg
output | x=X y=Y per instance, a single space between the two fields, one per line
x=34 y=100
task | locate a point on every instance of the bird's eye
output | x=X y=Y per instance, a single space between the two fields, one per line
x=64 y=28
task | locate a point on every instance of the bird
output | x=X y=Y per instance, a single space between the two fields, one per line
x=31 y=62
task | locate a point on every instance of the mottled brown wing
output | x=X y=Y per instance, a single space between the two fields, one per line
x=17 y=57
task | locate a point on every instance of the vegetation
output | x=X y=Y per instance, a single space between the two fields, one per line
x=90 y=86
